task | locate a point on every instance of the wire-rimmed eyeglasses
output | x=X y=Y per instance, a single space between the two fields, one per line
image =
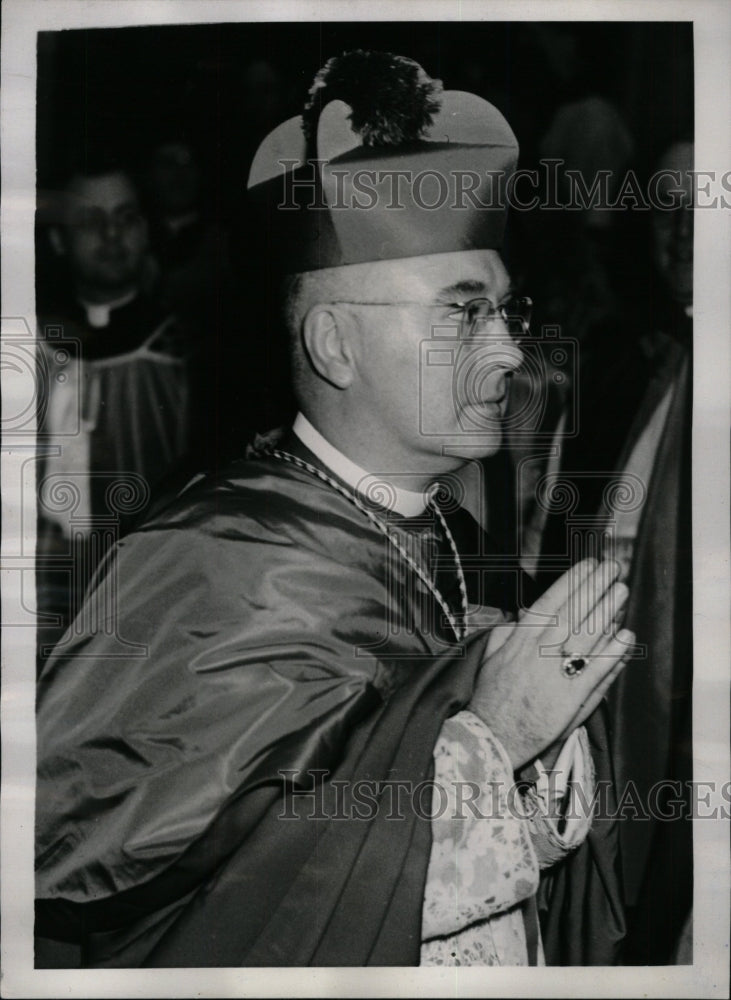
x=472 y=318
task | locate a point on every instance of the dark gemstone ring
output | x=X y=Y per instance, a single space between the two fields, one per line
x=573 y=665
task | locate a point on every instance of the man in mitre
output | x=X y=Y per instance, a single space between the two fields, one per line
x=323 y=726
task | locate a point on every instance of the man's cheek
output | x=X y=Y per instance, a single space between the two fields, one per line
x=80 y=253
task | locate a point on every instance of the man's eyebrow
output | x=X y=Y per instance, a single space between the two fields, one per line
x=455 y=292
x=469 y=287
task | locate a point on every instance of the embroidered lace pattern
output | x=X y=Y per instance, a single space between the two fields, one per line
x=486 y=852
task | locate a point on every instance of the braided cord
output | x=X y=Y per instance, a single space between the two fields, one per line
x=459 y=630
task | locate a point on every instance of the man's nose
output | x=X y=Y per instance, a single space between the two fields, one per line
x=505 y=349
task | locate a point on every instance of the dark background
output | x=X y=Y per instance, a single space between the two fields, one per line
x=228 y=84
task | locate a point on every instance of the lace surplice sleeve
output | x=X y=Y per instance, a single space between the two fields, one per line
x=490 y=839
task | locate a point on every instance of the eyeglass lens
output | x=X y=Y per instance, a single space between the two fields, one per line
x=480 y=313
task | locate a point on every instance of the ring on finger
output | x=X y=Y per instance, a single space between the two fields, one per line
x=574 y=664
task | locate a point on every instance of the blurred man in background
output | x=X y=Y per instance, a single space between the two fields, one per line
x=116 y=417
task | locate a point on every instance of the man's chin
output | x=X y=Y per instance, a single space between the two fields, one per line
x=481 y=424
x=113 y=279
x=471 y=444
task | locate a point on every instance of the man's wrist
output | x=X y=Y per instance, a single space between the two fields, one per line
x=502 y=732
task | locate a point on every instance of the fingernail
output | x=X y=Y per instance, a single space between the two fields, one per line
x=624 y=635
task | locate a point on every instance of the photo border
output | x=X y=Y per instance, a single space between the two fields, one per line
x=709 y=975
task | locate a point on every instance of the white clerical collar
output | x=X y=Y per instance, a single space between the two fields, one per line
x=408 y=503
x=97 y=313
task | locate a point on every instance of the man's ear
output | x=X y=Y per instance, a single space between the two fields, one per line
x=55 y=238
x=325 y=333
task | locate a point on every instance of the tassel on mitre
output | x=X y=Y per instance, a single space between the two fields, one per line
x=393 y=101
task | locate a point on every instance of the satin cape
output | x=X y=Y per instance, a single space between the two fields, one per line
x=264 y=631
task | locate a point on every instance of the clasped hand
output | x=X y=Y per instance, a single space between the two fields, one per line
x=522 y=693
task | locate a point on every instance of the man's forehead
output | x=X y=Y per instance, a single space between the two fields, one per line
x=103 y=191
x=475 y=272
